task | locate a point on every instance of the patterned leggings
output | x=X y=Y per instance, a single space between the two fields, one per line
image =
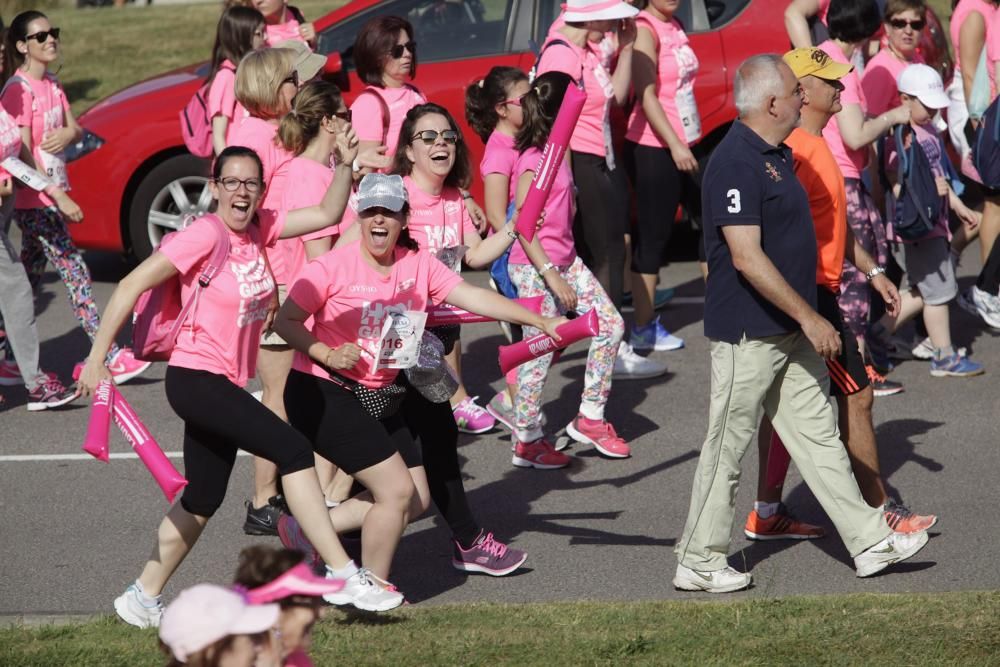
x=600 y=360
x=866 y=223
x=45 y=238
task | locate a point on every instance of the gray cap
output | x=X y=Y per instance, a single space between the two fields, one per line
x=307 y=64
x=381 y=191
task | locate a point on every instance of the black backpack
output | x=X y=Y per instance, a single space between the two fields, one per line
x=986 y=147
x=918 y=206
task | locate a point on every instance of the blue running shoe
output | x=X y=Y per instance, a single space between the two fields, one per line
x=957 y=365
x=655 y=337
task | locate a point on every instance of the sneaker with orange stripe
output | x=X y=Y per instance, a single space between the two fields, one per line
x=780 y=526
x=881 y=385
x=902 y=520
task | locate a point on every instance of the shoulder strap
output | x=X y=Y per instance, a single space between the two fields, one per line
x=904 y=157
x=17 y=78
x=220 y=251
x=545 y=46
x=385 y=110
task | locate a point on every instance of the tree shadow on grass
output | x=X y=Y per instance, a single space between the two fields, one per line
x=80 y=88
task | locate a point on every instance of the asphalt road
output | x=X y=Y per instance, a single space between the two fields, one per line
x=74 y=533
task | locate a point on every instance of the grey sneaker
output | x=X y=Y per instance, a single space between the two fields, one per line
x=487 y=556
x=632 y=366
x=131 y=609
x=725 y=580
x=893 y=549
x=363 y=591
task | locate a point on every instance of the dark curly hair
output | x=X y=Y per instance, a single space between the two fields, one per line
x=461 y=172
x=540 y=107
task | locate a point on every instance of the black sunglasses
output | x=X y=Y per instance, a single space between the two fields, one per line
x=397 y=50
x=42 y=36
x=291 y=78
x=430 y=136
x=345 y=115
x=900 y=24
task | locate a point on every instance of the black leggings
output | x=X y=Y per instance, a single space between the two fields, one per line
x=989 y=277
x=433 y=426
x=220 y=418
x=601 y=221
x=659 y=188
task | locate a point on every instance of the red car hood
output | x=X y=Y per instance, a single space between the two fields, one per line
x=157 y=83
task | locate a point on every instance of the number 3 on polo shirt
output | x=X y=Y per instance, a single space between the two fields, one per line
x=734 y=201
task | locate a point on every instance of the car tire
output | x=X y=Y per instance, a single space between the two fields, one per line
x=172 y=194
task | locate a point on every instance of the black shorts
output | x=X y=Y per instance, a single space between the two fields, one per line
x=341 y=430
x=847 y=372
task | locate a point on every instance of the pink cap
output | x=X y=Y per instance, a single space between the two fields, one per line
x=299 y=580
x=204 y=614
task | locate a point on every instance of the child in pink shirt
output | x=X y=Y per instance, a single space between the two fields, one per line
x=240 y=31
x=285 y=22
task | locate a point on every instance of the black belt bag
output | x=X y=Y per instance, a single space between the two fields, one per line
x=380 y=403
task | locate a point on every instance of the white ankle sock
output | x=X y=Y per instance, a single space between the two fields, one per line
x=765 y=510
x=146 y=600
x=345 y=572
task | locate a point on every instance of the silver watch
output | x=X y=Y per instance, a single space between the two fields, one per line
x=876 y=270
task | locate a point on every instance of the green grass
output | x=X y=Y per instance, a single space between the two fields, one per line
x=932 y=629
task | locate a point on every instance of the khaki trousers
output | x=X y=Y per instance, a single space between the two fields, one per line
x=785 y=378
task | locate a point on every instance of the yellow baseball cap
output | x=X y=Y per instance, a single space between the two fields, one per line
x=815 y=62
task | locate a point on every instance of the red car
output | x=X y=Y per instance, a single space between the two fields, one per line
x=135 y=180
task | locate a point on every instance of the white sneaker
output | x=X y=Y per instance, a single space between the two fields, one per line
x=632 y=366
x=987 y=306
x=362 y=591
x=131 y=609
x=924 y=350
x=725 y=580
x=893 y=549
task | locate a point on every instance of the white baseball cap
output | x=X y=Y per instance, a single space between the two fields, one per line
x=581 y=11
x=925 y=84
x=382 y=191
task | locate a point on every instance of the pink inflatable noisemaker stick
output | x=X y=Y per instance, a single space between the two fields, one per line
x=163 y=471
x=570 y=332
x=551 y=160
x=438 y=316
x=96 y=443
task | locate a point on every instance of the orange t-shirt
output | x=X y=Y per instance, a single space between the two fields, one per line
x=823 y=181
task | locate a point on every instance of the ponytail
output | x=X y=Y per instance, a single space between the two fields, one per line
x=483 y=96
x=540 y=107
x=17 y=32
x=317 y=100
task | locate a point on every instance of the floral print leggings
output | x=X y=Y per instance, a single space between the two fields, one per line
x=600 y=359
x=869 y=230
x=45 y=238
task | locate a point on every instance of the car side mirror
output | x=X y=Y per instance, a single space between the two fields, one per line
x=334 y=64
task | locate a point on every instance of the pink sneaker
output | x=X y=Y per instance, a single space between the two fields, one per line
x=538 y=454
x=600 y=434
x=471 y=418
x=124 y=366
x=10 y=374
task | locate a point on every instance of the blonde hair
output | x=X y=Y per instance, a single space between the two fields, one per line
x=317 y=100
x=258 y=81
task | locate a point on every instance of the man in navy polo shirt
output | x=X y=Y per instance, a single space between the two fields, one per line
x=767 y=340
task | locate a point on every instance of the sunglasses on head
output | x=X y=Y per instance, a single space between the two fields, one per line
x=42 y=36
x=344 y=115
x=430 y=136
x=397 y=50
x=291 y=78
x=900 y=24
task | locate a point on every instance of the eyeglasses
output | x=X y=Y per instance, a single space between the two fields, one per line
x=430 y=136
x=397 y=50
x=42 y=36
x=900 y=24
x=344 y=115
x=292 y=78
x=232 y=184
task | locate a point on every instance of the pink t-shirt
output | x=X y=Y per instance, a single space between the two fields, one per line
x=962 y=11
x=311 y=180
x=592 y=133
x=367 y=113
x=438 y=221
x=261 y=136
x=349 y=300
x=934 y=150
x=223 y=333
x=499 y=156
x=556 y=234
x=879 y=81
x=42 y=106
x=851 y=162
x=298 y=658
x=993 y=49
x=282 y=32
x=222 y=99
x=676 y=68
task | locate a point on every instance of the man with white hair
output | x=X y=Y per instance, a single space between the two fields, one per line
x=768 y=342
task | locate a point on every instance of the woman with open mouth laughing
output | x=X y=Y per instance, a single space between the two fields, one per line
x=350 y=293
x=213 y=356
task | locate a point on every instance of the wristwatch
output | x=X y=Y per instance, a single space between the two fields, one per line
x=513 y=234
x=545 y=267
x=876 y=270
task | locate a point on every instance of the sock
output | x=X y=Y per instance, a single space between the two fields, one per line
x=943 y=352
x=345 y=572
x=144 y=599
x=592 y=411
x=765 y=510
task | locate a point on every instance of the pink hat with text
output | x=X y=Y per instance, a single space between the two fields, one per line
x=581 y=11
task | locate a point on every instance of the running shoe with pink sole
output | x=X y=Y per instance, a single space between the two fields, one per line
x=123 y=366
x=10 y=374
x=538 y=454
x=601 y=435
x=487 y=556
x=471 y=417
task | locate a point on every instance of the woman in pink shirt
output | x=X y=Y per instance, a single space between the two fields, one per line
x=344 y=365
x=285 y=22
x=903 y=21
x=36 y=101
x=214 y=356
x=664 y=123
x=550 y=267
x=240 y=31
x=851 y=134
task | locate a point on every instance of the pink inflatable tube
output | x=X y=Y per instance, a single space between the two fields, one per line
x=548 y=165
x=163 y=471
x=582 y=327
x=439 y=316
x=99 y=425
x=777 y=462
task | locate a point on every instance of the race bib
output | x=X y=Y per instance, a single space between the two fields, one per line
x=54 y=166
x=687 y=107
x=399 y=344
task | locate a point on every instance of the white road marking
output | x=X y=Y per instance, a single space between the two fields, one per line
x=31 y=458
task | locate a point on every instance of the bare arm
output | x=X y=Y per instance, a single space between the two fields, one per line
x=621 y=80
x=220 y=125
x=749 y=259
x=489 y=303
x=859 y=257
x=317 y=247
x=57 y=140
x=331 y=209
x=495 y=188
x=971 y=42
x=537 y=256
x=797 y=16
x=290 y=325
x=859 y=132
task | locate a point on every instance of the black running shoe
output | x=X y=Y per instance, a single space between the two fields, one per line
x=263 y=520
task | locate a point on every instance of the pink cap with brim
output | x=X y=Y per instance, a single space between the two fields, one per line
x=204 y=614
x=299 y=580
x=581 y=11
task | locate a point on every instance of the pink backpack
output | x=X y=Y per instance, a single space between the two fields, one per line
x=159 y=313
x=196 y=126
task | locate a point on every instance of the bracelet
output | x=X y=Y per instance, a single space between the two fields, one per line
x=466 y=194
x=512 y=233
x=545 y=267
x=356 y=166
x=875 y=271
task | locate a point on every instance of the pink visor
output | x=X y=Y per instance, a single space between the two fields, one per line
x=299 y=580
